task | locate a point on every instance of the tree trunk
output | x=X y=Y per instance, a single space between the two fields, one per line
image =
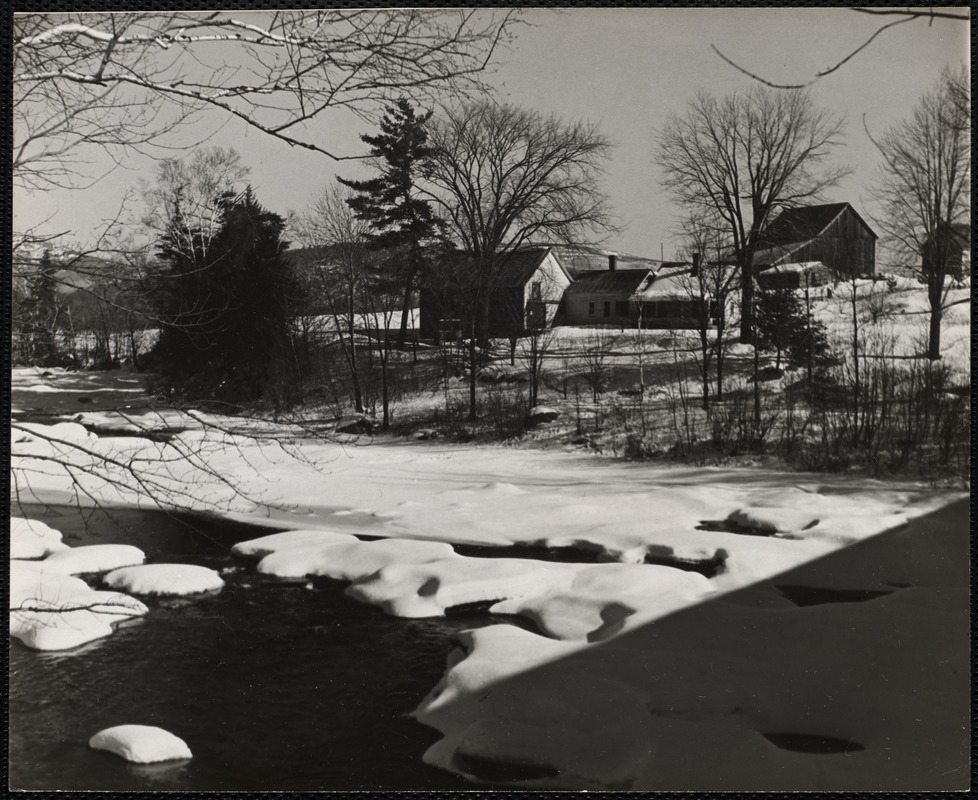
x=473 y=415
x=385 y=395
x=746 y=306
x=855 y=365
x=934 y=339
x=405 y=313
x=757 y=391
x=352 y=356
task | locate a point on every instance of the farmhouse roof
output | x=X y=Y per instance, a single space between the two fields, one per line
x=513 y=270
x=667 y=286
x=580 y=258
x=605 y=281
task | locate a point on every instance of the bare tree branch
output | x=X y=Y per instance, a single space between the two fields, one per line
x=907 y=15
x=122 y=81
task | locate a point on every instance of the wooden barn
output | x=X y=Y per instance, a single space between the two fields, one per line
x=833 y=234
x=524 y=290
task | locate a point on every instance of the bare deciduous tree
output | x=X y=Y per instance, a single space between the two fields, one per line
x=502 y=177
x=924 y=188
x=331 y=228
x=122 y=81
x=192 y=187
x=709 y=286
x=740 y=156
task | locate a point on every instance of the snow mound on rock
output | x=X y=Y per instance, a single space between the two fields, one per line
x=165 y=579
x=272 y=543
x=57 y=629
x=353 y=561
x=772 y=520
x=54 y=611
x=94 y=558
x=141 y=744
x=31 y=538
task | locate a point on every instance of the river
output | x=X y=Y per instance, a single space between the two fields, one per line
x=274 y=686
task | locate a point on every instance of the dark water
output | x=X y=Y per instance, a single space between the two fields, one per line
x=272 y=685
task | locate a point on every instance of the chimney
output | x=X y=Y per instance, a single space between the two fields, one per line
x=696 y=265
x=612 y=262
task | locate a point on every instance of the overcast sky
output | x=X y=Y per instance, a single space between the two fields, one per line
x=625 y=70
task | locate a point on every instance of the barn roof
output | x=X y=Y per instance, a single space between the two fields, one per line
x=604 y=281
x=513 y=270
x=772 y=255
x=805 y=223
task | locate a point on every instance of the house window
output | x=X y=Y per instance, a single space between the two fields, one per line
x=536 y=291
x=621 y=308
x=590 y=309
x=607 y=308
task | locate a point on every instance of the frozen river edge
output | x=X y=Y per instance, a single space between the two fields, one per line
x=560 y=712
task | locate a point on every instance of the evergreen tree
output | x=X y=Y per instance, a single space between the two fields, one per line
x=38 y=311
x=784 y=327
x=226 y=307
x=400 y=221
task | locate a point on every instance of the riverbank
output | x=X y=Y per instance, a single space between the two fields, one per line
x=598 y=553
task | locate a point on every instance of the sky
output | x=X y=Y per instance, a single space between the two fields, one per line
x=627 y=71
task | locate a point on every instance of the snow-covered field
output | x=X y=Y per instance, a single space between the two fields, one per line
x=594 y=698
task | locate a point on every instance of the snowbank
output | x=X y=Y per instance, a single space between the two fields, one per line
x=141 y=744
x=93 y=558
x=31 y=538
x=51 y=610
x=287 y=540
x=165 y=579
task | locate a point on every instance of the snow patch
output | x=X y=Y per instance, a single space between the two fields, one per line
x=427 y=590
x=31 y=538
x=606 y=599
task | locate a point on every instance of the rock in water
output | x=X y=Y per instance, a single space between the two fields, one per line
x=141 y=744
x=165 y=579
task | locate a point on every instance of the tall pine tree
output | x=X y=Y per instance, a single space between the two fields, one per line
x=38 y=313
x=400 y=220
